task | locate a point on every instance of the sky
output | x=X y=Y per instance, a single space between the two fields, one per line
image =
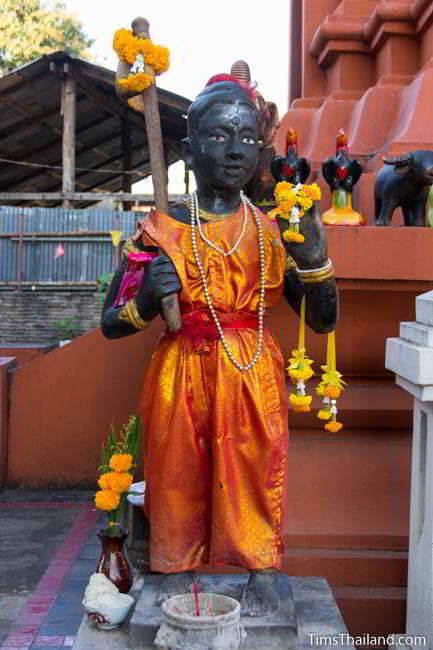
x=204 y=38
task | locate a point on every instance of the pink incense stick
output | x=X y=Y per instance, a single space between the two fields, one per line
x=195 y=594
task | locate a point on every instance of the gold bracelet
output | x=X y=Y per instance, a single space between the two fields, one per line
x=129 y=314
x=289 y=263
x=311 y=276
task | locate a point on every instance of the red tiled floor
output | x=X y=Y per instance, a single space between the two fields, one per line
x=19 y=640
x=24 y=629
x=48 y=641
x=40 y=600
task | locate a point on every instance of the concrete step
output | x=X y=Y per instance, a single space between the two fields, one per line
x=361 y=568
x=380 y=610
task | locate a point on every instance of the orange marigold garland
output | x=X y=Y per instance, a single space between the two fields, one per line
x=118 y=461
x=139 y=53
x=299 y=369
x=330 y=388
x=293 y=202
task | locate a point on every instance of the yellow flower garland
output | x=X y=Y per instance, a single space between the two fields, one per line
x=330 y=388
x=299 y=369
x=139 y=52
x=136 y=82
x=293 y=203
x=127 y=47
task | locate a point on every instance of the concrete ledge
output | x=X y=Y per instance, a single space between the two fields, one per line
x=424 y=308
x=417 y=333
x=410 y=361
x=421 y=393
x=316 y=615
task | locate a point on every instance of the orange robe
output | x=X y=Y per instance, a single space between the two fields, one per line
x=216 y=438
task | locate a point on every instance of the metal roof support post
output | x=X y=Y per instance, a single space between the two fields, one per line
x=69 y=102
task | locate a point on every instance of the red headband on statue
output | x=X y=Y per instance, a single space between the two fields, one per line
x=248 y=87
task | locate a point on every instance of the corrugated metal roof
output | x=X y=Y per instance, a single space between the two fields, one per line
x=31 y=127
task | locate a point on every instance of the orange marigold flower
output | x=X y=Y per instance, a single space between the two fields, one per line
x=301 y=409
x=120 y=481
x=137 y=82
x=120 y=462
x=116 y=481
x=331 y=391
x=333 y=427
x=324 y=414
x=107 y=499
x=300 y=400
x=291 y=235
x=313 y=191
x=299 y=374
x=104 y=481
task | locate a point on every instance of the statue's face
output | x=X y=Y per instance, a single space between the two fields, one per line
x=223 y=149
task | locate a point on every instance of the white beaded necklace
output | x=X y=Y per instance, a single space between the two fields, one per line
x=195 y=224
x=214 y=246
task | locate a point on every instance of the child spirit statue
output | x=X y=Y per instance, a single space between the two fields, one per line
x=214 y=403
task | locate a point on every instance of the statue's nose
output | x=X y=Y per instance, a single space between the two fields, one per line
x=234 y=150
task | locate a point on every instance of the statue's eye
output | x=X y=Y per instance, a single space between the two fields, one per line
x=249 y=140
x=217 y=137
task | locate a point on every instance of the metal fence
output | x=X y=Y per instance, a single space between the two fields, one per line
x=29 y=238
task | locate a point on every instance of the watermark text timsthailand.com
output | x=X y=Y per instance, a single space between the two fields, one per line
x=330 y=640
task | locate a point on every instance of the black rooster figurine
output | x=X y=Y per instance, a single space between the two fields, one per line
x=341 y=173
x=290 y=167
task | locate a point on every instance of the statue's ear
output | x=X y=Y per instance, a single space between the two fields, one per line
x=272 y=111
x=402 y=169
x=186 y=152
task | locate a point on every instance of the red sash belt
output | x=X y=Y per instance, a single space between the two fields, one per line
x=200 y=327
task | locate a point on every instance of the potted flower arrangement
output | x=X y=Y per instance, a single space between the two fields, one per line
x=119 y=458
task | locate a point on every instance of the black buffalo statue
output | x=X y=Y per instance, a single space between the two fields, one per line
x=404 y=182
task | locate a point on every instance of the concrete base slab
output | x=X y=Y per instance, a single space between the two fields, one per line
x=307 y=616
x=278 y=631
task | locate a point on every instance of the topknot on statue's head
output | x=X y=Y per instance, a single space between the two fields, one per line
x=220 y=89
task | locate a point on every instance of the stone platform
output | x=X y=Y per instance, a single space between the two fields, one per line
x=308 y=611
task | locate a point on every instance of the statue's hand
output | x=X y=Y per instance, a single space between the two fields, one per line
x=313 y=252
x=160 y=279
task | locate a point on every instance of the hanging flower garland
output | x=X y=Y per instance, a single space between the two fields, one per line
x=293 y=202
x=138 y=53
x=330 y=388
x=299 y=369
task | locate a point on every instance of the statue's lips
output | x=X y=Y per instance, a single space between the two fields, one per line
x=234 y=169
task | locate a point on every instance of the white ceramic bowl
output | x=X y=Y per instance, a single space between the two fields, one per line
x=107 y=618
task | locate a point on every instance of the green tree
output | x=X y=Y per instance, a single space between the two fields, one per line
x=29 y=29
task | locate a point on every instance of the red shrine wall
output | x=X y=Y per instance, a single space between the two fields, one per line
x=365 y=66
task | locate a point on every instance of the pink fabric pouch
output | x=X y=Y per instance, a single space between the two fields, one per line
x=137 y=263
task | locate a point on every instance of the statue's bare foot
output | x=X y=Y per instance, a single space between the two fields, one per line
x=260 y=596
x=173 y=584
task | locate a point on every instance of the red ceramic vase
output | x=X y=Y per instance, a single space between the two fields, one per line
x=113 y=562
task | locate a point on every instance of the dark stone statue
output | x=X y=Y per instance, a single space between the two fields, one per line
x=404 y=182
x=222 y=149
x=260 y=188
x=291 y=167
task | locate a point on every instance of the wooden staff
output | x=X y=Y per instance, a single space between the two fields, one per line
x=169 y=304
